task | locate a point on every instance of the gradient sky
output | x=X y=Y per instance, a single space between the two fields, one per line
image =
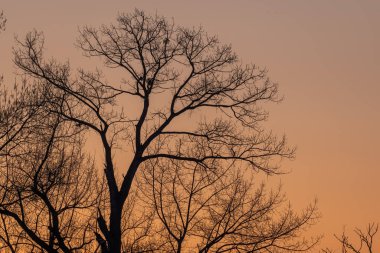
x=325 y=54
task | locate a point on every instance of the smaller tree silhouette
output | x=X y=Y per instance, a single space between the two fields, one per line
x=47 y=184
x=364 y=240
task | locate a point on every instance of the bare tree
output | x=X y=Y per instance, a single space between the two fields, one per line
x=171 y=74
x=364 y=240
x=47 y=184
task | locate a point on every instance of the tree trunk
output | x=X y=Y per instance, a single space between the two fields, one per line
x=114 y=240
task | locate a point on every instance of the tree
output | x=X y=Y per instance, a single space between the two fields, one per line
x=364 y=237
x=44 y=184
x=171 y=74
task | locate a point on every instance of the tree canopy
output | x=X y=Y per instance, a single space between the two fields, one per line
x=185 y=186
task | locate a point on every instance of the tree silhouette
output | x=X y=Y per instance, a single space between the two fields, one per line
x=171 y=74
x=364 y=242
x=44 y=184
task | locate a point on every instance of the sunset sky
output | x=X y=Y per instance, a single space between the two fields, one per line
x=325 y=54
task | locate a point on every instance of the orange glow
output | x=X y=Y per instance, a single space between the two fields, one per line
x=324 y=54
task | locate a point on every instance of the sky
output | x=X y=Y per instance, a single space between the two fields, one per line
x=324 y=54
